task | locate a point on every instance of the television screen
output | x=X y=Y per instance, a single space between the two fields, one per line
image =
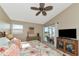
x=70 y=33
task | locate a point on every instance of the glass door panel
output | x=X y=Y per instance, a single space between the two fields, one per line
x=46 y=33
x=49 y=33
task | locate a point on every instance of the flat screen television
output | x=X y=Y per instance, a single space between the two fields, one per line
x=69 y=33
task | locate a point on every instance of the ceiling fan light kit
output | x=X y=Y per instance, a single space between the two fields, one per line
x=42 y=9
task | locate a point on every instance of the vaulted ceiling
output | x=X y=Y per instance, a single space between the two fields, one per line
x=22 y=11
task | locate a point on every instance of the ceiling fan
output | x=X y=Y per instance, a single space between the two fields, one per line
x=42 y=9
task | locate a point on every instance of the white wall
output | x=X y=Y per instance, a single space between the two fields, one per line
x=37 y=29
x=3 y=16
x=68 y=19
x=4 y=21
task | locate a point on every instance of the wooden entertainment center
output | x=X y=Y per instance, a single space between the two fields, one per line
x=68 y=45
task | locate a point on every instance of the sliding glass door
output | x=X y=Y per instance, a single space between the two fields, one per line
x=46 y=33
x=49 y=33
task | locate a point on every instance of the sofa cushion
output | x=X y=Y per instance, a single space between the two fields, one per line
x=4 y=42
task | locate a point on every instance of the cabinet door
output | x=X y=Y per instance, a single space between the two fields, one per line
x=72 y=47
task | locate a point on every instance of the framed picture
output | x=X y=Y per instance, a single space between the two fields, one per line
x=31 y=30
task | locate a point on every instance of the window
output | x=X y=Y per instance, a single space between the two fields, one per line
x=17 y=29
x=5 y=27
x=46 y=29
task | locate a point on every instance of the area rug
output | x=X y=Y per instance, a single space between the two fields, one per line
x=38 y=49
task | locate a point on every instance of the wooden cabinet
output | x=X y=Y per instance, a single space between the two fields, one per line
x=67 y=45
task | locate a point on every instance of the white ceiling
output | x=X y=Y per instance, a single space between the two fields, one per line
x=22 y=11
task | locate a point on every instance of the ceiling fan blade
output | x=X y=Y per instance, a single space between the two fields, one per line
x=38 y=13
x=48 y=8
x=42 y=5
x=34 y=8
x=44 y=13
